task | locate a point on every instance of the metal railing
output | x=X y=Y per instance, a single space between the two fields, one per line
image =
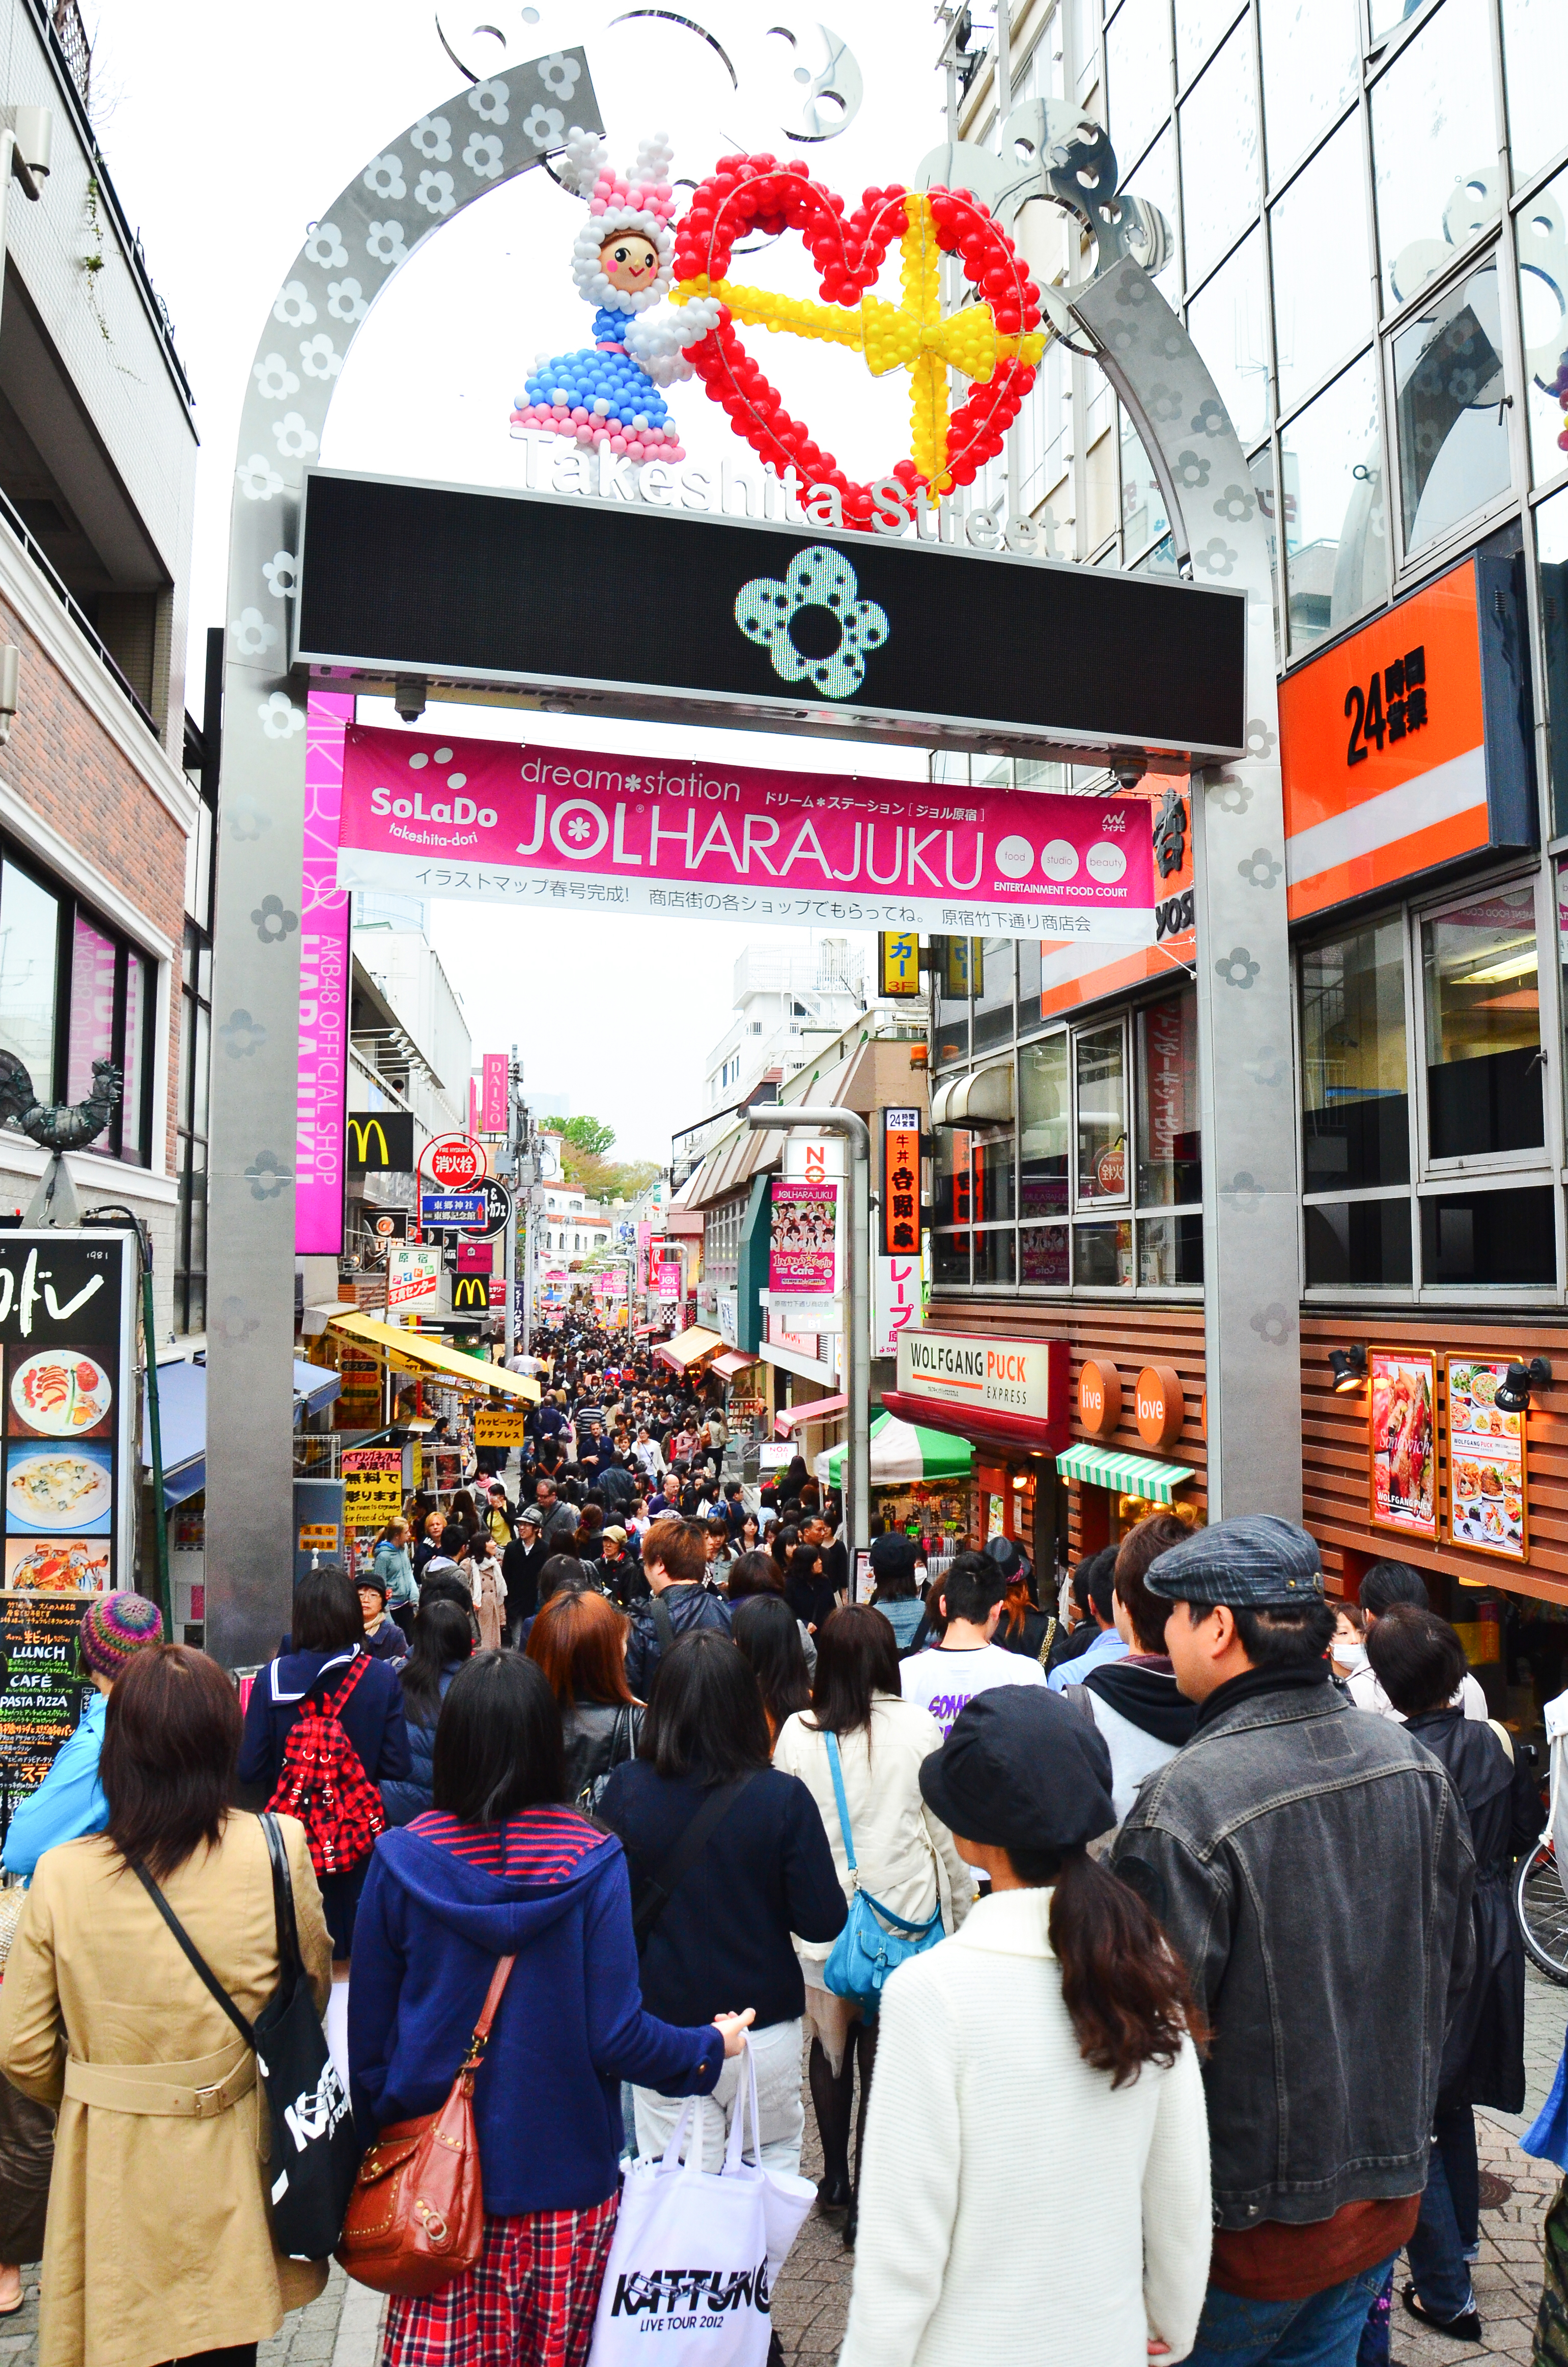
x=11 y=517
x=66 y=19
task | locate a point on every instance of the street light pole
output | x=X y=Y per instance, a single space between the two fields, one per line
x=856 y=1298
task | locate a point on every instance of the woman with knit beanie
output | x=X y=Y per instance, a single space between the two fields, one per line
x=68 y=1803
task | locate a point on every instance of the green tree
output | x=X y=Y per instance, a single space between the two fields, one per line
x=589 y=1134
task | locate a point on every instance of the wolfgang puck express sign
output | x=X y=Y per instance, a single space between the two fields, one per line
x=1017 y=1388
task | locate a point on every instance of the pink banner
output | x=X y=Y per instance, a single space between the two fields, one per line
x=324 y=988
x=498 y=822
x=801 y=1250
x=492 y=1110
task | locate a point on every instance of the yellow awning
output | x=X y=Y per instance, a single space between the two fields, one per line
x=418 y=1353
x=688 y=1348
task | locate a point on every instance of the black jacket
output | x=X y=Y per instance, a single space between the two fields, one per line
x=1311 y=1869
x=1483 y=2061
x=599 y=1737
x=520 y=1566
x=689 y=1607
x=723 y=1942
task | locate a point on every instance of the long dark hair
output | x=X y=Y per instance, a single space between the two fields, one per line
x=1122 y=1985
x=171 y=1745
x=497 y=1741
x=768 y=1634
x=704 y=1711
x=441 y=1633
x=857 y=1656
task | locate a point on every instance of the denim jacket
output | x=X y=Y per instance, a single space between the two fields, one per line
x=1313 y=1869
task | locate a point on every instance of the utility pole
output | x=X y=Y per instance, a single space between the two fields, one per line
x=513 y=1164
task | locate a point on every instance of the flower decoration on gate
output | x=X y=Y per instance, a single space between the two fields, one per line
x=770 y=613
x=608 y=393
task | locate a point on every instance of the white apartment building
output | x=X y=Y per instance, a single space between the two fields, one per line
x=784 y=992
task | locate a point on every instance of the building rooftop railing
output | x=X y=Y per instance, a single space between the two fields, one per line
x=12 y=517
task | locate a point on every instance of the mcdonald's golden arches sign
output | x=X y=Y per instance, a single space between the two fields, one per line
x=378 y=1142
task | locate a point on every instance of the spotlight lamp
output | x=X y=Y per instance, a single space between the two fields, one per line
x=1348 y=1367
x=1514 y=1391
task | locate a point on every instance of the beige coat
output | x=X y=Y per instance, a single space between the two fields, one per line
x=158 y=2242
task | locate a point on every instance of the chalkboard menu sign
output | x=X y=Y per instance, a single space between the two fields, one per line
x=41 y=1704
x=67 y=1370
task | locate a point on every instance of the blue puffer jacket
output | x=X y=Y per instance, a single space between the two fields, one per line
x=409 y=1797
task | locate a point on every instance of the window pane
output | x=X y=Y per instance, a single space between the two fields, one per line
x=1489 y=1237
x=1143 y=503
x=1434 y=147
x=1311 y=69
x=949 y=969
x=1336 y=531
x=1137 y=67
x=29 y=941
x=1170 y=1252
x=1219 y=156
x=138 y=1018
x=950 y=1257
x=1323 y=296
x=92 y=960
x=1102 y=1116
x=1355 y=1092
x=1542 y=231
x=1043 y=1254
x=1168 y=1166
x=1535 y=63
x=1155 y=179
x=1199 y=24
x=1229 y=323
x=1360 y=1241
x=994 y=1258
x=1044 y=1123
x=993 y=994
x=993 y=1155
x=1029 y=975
x=1103 y=1256
x=1449 y=387
x=1483 y=1027
x=1552 y=531
x=951 y=1176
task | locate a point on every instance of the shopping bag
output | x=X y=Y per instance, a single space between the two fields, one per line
x=691 y=2268
x=1547 y=2138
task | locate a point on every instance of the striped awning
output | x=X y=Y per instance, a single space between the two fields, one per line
x=1130 y=1475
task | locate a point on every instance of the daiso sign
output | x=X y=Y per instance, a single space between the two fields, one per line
x=1003 y=1390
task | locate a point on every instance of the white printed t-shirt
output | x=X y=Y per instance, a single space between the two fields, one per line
x=945 y=1681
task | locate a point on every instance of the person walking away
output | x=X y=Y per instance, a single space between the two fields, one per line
x=324 y=1726
x=1299 y=1854
x=580 y=1641
x=968 y=1661
x=394 y=1567
x=767 y=1635
x=1023 y=1627
x=737 y=1854
x=1135 y=1702
x=1094 y=1582
x=68 y=1802
x=1047 y=2050
x=1081 y=1627
x=758 y=1573
x=159 y=2239
x=674 y=1562
x=1386 y=1583
x=486 y=1577
x=905 y=1857
x=443 y=1640
x=382 y=1639
x=499 y=1867
x=894 y=1561
x=1418 y=1660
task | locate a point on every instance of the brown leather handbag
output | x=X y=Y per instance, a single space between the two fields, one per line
x=416 y=2218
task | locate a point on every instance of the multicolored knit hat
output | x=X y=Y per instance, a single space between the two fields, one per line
x=115 y=1626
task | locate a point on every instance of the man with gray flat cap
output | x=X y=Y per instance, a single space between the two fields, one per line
x=1312 y=1868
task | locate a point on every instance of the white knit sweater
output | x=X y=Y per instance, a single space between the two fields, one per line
x=1015 y=2210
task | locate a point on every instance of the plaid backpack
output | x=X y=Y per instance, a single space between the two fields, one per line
x=323 y=1783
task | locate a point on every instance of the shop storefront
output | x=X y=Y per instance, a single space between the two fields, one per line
x=1008 y=1399
x=921 y=1483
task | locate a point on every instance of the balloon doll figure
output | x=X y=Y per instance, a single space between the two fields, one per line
x=608 y=393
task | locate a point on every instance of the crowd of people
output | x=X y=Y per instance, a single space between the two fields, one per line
x=1172 y=1916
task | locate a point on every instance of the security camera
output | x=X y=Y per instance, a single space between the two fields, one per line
x=1129 y=770
x=408 y=695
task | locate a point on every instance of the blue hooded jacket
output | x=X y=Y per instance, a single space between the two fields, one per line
x=570 y=2026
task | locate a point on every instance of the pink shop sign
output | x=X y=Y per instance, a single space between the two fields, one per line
x=497 y=822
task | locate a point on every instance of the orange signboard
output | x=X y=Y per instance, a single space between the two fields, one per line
x=1382 y=743
x=900 y=1183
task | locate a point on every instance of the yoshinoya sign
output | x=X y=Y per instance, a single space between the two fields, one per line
x=490 y=820
x=1012 y=1389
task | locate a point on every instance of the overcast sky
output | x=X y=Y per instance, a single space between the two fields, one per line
x=228 y=131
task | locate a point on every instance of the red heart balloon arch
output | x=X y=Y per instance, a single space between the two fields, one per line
x=746 y=194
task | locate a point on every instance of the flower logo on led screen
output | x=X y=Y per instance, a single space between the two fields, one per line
x=814 y=625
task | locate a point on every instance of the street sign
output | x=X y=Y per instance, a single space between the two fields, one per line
x=454 y=1211
x=454 y=1162
x=500 y=1426
x=497 y=1199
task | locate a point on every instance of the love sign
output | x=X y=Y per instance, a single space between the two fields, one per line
x=995 y=343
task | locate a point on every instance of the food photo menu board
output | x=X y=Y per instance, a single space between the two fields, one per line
x=1488 y=1501
x=1403 y=1440
x=68 y=1377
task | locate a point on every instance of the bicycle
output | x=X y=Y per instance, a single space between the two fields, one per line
x=1540 y=1903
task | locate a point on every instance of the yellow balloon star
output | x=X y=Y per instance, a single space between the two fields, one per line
x=913 y=334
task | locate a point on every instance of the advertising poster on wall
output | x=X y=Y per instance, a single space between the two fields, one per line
x=803 y=1263
x=1488 y=1498
x=1403 y=1443
x=372 y=1486
x=412 y=1279
x=68 y=1344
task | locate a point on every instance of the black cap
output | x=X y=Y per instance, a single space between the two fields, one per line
x=1021 y=1770
x=894 y=1556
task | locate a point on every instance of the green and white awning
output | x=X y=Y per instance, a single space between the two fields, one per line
x=902 y=1452
x=1130 y=1475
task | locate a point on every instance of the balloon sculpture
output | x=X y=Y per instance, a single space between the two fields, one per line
x=607 y=394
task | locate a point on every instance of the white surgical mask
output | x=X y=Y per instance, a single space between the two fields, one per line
x=1352 y=1657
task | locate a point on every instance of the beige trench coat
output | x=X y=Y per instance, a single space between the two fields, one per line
x=158 y=2242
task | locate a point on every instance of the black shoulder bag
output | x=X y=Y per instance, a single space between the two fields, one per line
x=679 y=1860
x=314 y=2155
